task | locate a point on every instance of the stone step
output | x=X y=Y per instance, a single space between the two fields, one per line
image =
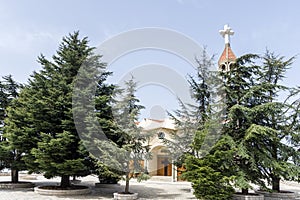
x=161 y=178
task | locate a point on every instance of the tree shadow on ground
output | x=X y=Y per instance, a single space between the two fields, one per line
x=145 y=191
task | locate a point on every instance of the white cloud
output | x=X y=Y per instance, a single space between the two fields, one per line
x=180 y=1
x=24 y=40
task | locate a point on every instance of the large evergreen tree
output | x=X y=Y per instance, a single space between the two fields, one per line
x=274 y=129
x=42 y=125
x=134 y=148
x=9 y=90
x=92 y=111
x=227 y=163
x=259 y=138
x=241 y=93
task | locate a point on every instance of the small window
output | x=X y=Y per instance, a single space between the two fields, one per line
x=223 y=67
x=161 y=135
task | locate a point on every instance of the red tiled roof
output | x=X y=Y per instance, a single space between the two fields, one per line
x=227 y=55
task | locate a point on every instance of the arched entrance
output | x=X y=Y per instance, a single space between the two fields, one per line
x=164 y=167
x=161 y=163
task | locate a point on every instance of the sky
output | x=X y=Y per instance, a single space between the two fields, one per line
x=31 y=27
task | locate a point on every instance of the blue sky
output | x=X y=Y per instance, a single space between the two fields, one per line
x=31 y=27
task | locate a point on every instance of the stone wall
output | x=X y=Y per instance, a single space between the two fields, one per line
x=278 y=196
x=247 y=197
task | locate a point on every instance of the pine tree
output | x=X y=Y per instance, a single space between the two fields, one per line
x=9 y=89
x=104 y=114
x=240 y=90
x=9 y=157
x=41 y=126
x=134 y=148
x=274 y=128
x=227 y=164
x=93 y=115
x=259 y=136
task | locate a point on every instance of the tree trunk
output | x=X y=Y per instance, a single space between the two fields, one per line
x=245 y=191
x=276 y=184
x=127 y=183
x=14 y=175
x=65 y=181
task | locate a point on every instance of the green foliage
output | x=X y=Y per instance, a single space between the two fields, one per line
x=106 y=174
x=56 y=155
x=19 y=126
x=92 y=109
x=208 y=165
x=8 y=91
x=259 y=135
x=239 y=84
x=133 y=149
x=274 y=124
x=9 y=157
x=208 y=179
x=41 y=124
x=119 y=146
x=191 y=120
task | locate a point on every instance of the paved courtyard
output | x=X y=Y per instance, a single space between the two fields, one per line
x=146 y=190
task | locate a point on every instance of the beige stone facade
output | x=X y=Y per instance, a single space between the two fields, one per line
x=161 y=163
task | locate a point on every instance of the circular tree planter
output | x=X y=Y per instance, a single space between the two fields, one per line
x=250 y=196
x=19 y=185
x=283 y=195
x=121 y=196
x=58 y=191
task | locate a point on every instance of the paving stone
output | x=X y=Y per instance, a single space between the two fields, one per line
x=147 y=190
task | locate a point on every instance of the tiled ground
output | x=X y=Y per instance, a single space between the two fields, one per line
x=146 y=190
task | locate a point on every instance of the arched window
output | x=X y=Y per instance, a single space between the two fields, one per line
x=161 y=135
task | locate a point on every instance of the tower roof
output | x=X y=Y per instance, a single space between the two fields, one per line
x=227 y=55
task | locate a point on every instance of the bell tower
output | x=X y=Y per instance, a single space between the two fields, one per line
x=227 y=58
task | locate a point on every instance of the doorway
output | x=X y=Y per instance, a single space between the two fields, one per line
x=164 y=167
